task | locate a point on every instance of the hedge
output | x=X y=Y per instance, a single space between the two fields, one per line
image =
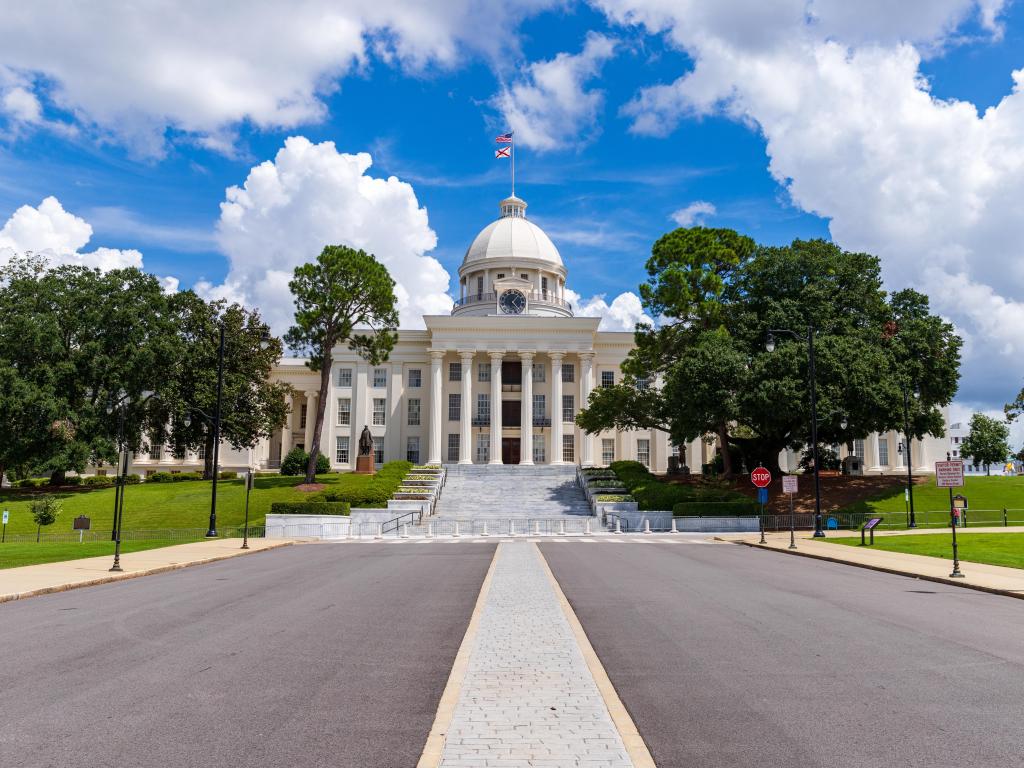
x=746 y=508
x=652 y=493
x=367 y=490
x=310 y=508
x=99 y=481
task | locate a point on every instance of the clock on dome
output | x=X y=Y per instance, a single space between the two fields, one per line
x=512 y=302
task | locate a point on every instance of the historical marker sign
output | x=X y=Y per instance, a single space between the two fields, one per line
x=761 y=477
x=949 y=474
x=789 y=484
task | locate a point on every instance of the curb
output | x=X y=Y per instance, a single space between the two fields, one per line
x=10 y=597
x=894 y=571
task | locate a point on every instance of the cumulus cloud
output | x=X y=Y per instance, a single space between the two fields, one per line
x=855 y=136
x=624 y=312
x=133 y=70
x=550 y=107
x=311 y=195
x=58 y=235
x=693 y=214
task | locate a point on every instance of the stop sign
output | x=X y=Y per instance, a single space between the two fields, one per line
x=761 y=477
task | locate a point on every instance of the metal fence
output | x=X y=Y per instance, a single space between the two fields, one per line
x=142 y=534
x=896 y=520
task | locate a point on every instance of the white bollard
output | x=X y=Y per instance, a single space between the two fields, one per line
x=485 y=529
x=405 y=530
x=618 y=525
x=511 y=527
x=673 y=528
x=456 y=534
x=586 y=530
x=561 y=527
x=430 y=530
x=536 y=527
x=647 y=525
x=380 y=531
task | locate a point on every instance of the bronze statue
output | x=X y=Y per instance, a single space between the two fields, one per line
x=365 y=442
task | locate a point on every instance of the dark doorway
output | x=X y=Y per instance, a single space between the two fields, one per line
x=510 y=450
x=511 y=373
x=511 y=413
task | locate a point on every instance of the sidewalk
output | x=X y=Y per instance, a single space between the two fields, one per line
x=30 y=580
x=988 y=578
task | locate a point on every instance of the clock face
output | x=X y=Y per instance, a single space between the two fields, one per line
x=512 y=302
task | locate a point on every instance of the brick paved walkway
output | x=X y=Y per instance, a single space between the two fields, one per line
x=528 y=697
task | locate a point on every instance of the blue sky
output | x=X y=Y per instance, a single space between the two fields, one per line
x=786 y=119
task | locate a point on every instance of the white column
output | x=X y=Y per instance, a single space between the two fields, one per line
x=393 y=446
x=465 y=449
x=586 y=385
x=526 y=432
x=286 y=430
x=556 y=407
x=310 y=418
x=496 y=358
x=434 y=452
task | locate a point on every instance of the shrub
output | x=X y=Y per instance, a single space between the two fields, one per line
x=745 y=508
x=99 y=481
x=132 y=479
x=28 y=482
x=310 y=508
x=72 y=480
x=181 y=477
x=367 y=490
x=651 y=493
x=229 y=475
x=160 y=477
x=610 y=483
x=297 y=459
x=615 y=497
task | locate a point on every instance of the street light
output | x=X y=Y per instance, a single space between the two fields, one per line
x=912 y=523
x=770 y=346
x=120 y=476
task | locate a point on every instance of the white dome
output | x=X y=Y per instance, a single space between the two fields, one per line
x=511 y=239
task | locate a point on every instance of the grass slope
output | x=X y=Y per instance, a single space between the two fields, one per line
x=990 y=548
x=30 y=553
x=987 y=496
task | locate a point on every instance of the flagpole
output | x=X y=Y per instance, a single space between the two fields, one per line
x=513 y=159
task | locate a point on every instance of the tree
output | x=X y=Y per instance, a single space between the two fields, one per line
x=721 y=294
x=988 y=441
x=252 y=406
x=343 y=291
x=45 y=511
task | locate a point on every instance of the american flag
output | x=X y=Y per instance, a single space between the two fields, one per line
x=505 y=138
x=502 y=152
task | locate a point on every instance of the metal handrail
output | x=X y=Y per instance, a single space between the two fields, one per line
x=398 y=521
x=538 y=297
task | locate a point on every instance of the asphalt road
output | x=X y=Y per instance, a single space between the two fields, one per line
x=315 y=655
x=730 y=656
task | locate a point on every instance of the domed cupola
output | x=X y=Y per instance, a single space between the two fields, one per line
x=512 y=268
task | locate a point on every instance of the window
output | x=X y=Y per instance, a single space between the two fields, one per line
x=607 y=451
x=483 y=371
x=454 y=407
x=539 y=407
x=344 y=411
x=414 y=412
x=956 y=440
x=607 y=378
x=538 y=449
x=378 y=450
x=344 y=377
x=858 y=450
x=302 y=416
x=525 y=276
x=643 y=384
x=179 y=454
x=454 y=371
x=380 y=377
x=415 y=378
x=201 y=453
x=155 y=451
x=568 y=372
x=479 y=287
x=483 y=448
x=643 y=452
x=379 y=406
x=569 y=449
x=544 y=286
x=538 y=373
x=453 y=447
x=412 y=450
x=883 y=451
x=341 y=450
x=101 y=473
x=500 y=275
x=483 y=407
x=568 y=408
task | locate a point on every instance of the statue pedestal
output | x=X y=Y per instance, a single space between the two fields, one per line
x=364 y=465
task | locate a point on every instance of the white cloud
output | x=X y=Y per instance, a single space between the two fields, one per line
x=855 y=136
x=622 y=314
x=310 y=196
x=549 y=107
x=693 y=214
x=51 y=231
x=133 y=70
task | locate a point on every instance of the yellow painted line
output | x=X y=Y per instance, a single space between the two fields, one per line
x=433 y=749
x=631 y=738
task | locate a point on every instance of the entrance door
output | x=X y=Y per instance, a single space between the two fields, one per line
x=510 y=450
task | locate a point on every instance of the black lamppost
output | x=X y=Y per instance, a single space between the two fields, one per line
x=121 y=475
x=770 y=346
x=912 y=523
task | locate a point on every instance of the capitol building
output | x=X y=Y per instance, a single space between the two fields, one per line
x=499 y=380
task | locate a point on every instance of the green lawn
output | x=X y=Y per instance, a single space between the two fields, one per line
x=991 y=548
x=169 y=505
x=986 y=496
x=30 y=553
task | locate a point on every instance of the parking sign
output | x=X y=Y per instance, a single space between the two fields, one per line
x=949 y=474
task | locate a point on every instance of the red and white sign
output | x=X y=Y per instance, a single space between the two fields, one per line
x=949 y=474
x=761 y=477
x=789 y=484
